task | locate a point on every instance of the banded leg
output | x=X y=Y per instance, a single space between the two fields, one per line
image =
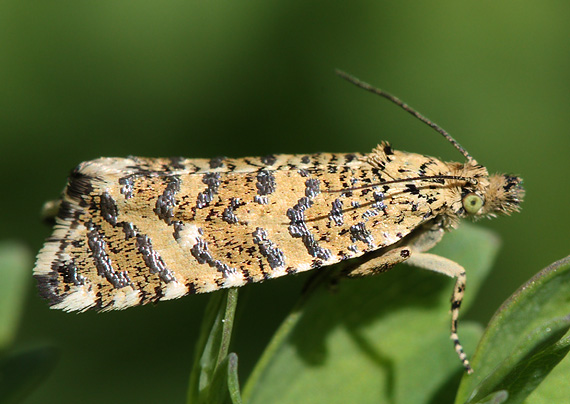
x=454 y=270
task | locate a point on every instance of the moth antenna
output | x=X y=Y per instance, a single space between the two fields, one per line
x=473 y=181
x=405 y=107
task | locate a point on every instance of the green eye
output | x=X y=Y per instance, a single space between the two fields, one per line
x=472 y=203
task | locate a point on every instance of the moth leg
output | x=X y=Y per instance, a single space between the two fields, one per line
x=50 y=211
x=454 y=270
x=371 y=264
x=378 y=264
x=382 y=260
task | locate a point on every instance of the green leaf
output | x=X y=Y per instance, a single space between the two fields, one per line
x=554 y=389
x=225 y=383
x=15 y=272
x=529 y=364
x=209 y=376
x=524 y=340
x=382 y=339
x=498 y=397
x=233 y=379
x=22 y=371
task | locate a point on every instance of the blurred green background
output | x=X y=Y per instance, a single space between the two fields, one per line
x=80 y=80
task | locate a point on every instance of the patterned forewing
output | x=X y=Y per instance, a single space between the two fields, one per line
x=137 y=230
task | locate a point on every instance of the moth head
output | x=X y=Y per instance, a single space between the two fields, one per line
x=502 y=195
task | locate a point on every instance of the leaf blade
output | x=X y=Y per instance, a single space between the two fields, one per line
x=358 y=344
x=540 y=302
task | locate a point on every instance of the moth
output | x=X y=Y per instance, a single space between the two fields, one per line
x=135 y=230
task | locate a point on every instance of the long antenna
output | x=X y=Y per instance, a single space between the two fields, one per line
x=405 y=107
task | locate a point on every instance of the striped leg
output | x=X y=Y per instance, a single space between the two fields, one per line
x=452 y=269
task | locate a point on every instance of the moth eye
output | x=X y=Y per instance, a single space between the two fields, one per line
x=472 y=203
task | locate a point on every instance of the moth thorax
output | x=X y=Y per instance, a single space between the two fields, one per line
x=504 y=195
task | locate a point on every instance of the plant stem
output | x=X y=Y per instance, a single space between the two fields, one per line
x=228 y=322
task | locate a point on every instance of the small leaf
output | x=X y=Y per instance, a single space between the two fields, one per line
x=212 y=347
x=21 y=372
x=224 y=388
x=15 y=270
x=233 y=380
x=523 y=340
x=382 y=339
